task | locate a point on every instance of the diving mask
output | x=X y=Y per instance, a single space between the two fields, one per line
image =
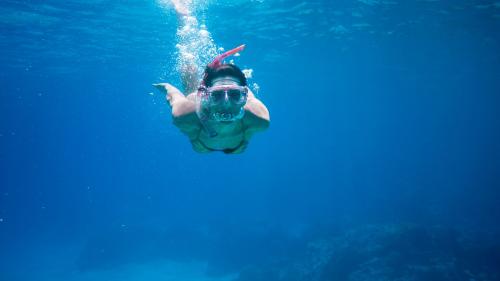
x=225 y=103
x=234 y=94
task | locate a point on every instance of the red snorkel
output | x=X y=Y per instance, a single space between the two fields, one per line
x=217 y=61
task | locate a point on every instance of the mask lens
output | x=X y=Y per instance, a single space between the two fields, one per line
x=217 y=96
x=234 y=95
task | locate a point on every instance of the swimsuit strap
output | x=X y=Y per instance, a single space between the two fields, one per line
x=232 y=150
x=226 y=150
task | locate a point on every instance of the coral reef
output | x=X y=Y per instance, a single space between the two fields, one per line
x=388 y=252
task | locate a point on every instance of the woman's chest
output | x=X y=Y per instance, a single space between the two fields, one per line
x=227 y=136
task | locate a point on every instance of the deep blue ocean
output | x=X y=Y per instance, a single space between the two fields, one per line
x=382 y=160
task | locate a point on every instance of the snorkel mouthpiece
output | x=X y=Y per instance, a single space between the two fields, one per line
x=227 y=117
x=218 y=59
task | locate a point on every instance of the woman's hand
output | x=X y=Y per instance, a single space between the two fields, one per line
x=165 y=88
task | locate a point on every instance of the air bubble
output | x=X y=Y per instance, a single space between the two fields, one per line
x=248 y=73
x=204 y=33
x=256 y=88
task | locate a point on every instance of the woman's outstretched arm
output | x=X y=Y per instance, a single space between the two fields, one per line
x=183 y=110
x=181 y=106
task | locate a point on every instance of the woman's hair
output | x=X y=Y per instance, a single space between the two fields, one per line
x=221 y=71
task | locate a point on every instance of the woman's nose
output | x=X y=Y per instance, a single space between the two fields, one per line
x=226 y=100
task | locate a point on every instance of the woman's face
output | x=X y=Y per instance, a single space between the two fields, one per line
x=225 y=99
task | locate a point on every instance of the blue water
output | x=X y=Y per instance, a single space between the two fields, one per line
x=382 y=161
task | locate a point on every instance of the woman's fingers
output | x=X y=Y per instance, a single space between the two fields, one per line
x=162 y=86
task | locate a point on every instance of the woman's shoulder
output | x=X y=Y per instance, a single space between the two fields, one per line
x=256 y=113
